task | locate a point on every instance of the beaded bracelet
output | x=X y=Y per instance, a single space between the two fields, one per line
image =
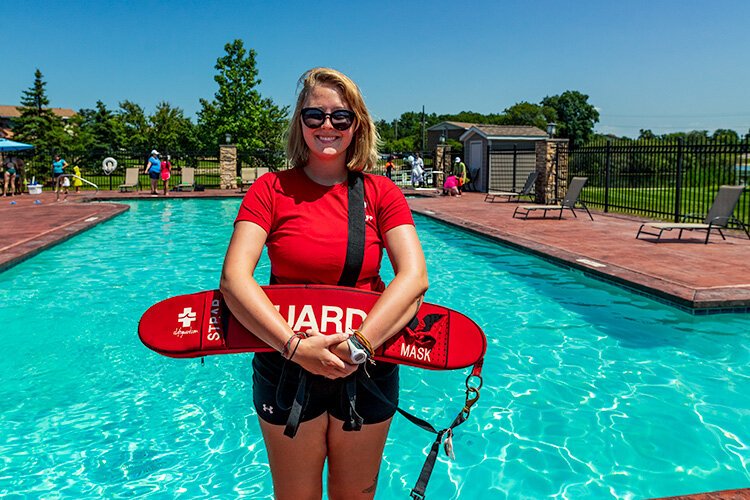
x=363 y=343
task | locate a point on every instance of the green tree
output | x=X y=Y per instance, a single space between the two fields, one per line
x=575 y=116
x=133 y=127
x=238 y=108
x=37 y=124
x=725 y=135
x=104 y=132
x=646 y=134
x=171 y=130
x=525 y=113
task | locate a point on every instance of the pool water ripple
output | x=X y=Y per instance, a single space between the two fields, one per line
x=590 y=391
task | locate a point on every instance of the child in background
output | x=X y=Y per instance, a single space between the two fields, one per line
x=77 y=183
x=450 y=186
x=166 y=173
x=65 y=185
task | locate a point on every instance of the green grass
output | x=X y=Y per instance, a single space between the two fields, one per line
x=659 y=202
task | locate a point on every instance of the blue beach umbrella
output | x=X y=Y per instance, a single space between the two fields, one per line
x=8 y=145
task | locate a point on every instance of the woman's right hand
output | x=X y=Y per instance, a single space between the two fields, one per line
x=314 y=355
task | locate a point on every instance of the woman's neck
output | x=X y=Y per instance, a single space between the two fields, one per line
x=326 y=173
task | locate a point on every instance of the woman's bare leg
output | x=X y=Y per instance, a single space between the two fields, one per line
x=297 y=463
x=354 y=459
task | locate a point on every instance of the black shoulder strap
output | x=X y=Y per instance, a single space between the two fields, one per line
x=355 y=247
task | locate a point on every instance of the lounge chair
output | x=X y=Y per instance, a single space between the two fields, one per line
x=719 y=216
x=248 y=176
x=261 y=170
x=187 y=183
x=528 y=190
x=569 y=202
x=131 y=180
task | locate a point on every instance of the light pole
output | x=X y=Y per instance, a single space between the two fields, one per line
x=551 y=128
x=227 y=138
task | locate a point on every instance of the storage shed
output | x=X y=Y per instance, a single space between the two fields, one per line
x=502 y=154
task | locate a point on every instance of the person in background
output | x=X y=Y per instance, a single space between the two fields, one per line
x=153 y=169
x=389 y=167
x=9 y=177
x=65 y=184
x=58 y=168
x=301 y=216
x=166 y=173
x=417 y=171
x=459 y=170
x=77 y=182
x=450 y=186
x=20 y=174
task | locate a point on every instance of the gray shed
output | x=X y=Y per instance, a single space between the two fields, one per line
x=503 y=154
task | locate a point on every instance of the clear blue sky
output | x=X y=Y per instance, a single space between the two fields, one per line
x=666 y=65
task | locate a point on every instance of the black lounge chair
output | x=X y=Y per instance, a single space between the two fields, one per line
x=528 y=190
x=569 y=202
x=718 y=217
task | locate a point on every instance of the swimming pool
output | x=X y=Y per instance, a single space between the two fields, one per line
x=590 y=391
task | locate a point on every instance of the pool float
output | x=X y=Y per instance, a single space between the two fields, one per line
x=200 y=324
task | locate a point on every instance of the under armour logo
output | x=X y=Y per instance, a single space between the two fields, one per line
x=267 y=409
x=186 y=317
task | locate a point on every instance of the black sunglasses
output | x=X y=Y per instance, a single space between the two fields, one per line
x=341 y=119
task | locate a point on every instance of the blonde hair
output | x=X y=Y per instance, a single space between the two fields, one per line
x=362 y=153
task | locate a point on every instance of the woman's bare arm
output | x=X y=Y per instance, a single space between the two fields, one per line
x=250 y=305
x=402 y=297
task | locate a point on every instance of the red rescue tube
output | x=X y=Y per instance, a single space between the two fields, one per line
x=200 y=324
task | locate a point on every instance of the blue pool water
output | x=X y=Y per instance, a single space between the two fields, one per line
x=590 y=391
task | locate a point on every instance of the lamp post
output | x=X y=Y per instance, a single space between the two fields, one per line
x=551 y=128
x=228 y=138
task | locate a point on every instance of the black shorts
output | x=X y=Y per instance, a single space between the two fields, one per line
x=153 y=175
x=324 y=395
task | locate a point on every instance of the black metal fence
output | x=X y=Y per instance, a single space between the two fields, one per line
x=509 y=168
x=37 y=165
x=661 y=179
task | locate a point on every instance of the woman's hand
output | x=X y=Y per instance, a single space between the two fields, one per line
x=314 y=355
x=342 y=351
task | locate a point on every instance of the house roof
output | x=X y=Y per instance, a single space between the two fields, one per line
x=512 y=132
x=13 y=112
x=451 y=125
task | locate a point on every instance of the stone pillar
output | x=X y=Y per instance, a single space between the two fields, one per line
x=442 y=165
x=552 y=166
x=228 y=166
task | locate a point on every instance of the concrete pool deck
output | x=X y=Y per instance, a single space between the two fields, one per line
x=688 y=274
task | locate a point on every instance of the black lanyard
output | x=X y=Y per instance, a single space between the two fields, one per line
x=355 y=245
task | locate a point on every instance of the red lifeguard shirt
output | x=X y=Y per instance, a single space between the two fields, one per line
x=307 y=225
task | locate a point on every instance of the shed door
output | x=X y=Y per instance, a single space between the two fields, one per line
x=475 y=160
